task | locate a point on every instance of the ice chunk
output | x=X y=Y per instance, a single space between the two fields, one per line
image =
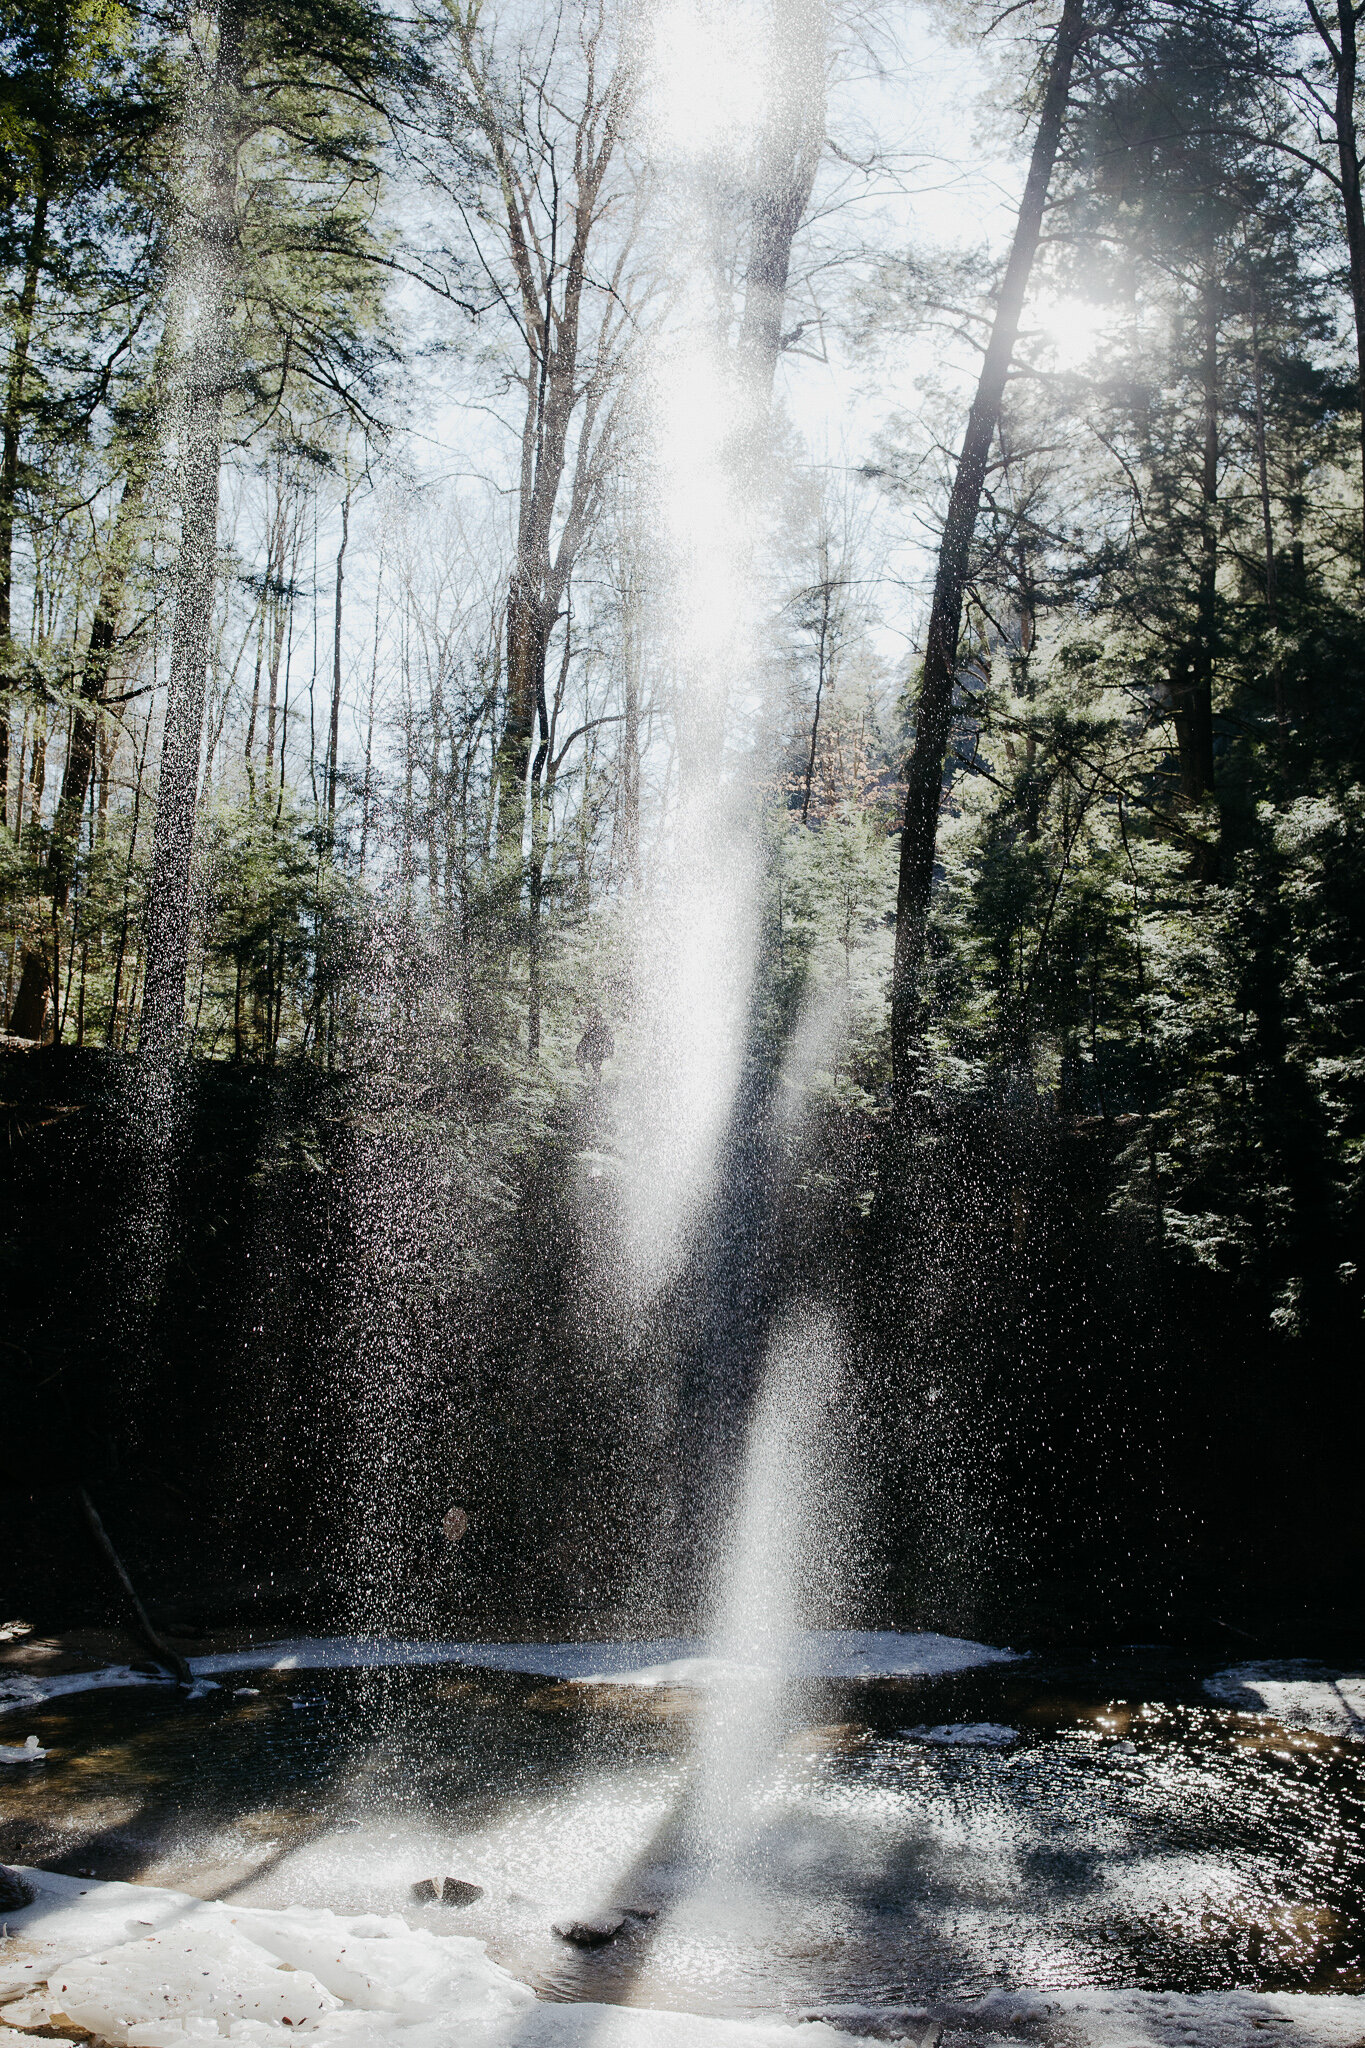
x=26 y=1752
x=1299 y=1694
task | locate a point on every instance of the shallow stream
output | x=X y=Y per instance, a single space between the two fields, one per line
x=1133 y=1832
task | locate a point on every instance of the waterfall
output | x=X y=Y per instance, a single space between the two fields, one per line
x=781 y=1570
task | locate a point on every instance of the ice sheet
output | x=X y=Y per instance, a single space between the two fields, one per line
x=671 y=1661
x=24 y=1689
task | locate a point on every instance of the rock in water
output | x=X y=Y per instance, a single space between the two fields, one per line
x=590 y=1930
x=424 y=1891
x=458 y=1891
x=15 y=1892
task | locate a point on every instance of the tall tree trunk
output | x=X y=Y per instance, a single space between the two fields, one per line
x=788 y=158
x=80 y=755
x=9 y=459
x=1191 y=685
x=1345 y=60
x=1206 y=642
x=1263 y=477
x=543 y=771
x=924 y=774
x=822 y=652
x=208 y=256
x=37 y=774
x=527 y=642
x=630 y=747
x=122 y=947
x=279 y=626
x=250 y=744
x=365 y=793
x=335 y=726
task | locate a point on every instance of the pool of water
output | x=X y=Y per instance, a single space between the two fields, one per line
x=1134 y=1833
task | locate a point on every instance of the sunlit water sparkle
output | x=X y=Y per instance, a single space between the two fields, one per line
x=1171 y=1845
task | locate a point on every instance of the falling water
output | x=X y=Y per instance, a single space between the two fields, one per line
x=693 y=1140
x=693 y=943
x=778 y=1580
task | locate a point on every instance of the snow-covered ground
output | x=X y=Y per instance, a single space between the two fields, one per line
x=146 y=1968
x=1297 y=1693
x=673 y=1661
x=26 y=1689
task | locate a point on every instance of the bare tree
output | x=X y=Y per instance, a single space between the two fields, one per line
x=550 y=219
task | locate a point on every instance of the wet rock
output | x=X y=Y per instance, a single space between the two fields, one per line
x=458 y=1891
x=590 y=1930
x=14 y=1890
x=424 y=1891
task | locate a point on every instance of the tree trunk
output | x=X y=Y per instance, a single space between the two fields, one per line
x=37 y=774
x=1206 y=641
x=335 y=725
x=527 y=641
x=544 y=769
x=279 y=622
x=250 y=743
x=536 y=893
x=788 y=158
x=30 y=1003
x=9 y=460
x=80 y=755
x=1263 y=476
x=128 y=888
x=822 y=653
x=155 y=1642
x=1345 y=62
x=924 y=775
x=210 y=232
x=630 y=752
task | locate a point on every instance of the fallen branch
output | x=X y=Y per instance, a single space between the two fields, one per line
x=154 y=1641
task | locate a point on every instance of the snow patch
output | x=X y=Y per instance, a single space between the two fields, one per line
x=833 y=1653
x=185 y=1971
x=1297 y=1693
x=20 y=1689
x=671 y=1661
x=143 y=1967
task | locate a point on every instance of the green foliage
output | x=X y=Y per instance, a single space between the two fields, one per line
x=280 y=928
